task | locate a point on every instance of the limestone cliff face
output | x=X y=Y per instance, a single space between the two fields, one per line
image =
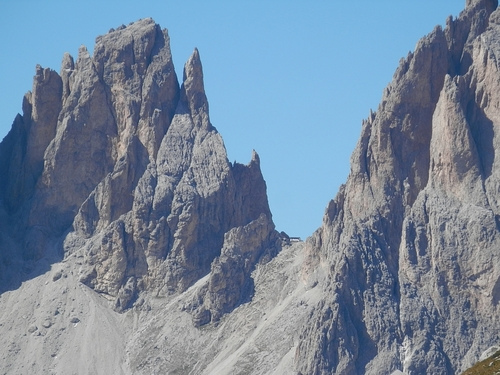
x=411 y=242
x=121 y=164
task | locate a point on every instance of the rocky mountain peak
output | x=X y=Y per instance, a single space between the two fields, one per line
x=407 y=279
x=135 y=177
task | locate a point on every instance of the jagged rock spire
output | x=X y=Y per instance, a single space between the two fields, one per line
x=193 y=89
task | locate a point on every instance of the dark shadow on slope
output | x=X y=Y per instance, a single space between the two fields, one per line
x=17 y=266
x=482 y=133
x=496 y=293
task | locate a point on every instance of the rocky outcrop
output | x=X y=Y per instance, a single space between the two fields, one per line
x=411 y=239
x=230 y=283
x=122 y=165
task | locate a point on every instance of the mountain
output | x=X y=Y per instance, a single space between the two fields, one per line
x=117 y=159
x=410 y=245
x=129 y=244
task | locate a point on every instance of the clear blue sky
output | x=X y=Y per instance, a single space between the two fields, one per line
x=291 y=79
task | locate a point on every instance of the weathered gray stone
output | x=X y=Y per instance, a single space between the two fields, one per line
x=230 y=282
x=412 y=237
x=125 y=165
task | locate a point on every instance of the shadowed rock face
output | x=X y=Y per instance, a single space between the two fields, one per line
x=411 y=241
x=120 y=163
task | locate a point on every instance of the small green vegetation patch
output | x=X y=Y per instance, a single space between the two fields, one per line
x=490 y=366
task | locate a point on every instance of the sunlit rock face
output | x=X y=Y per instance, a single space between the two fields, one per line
x=120 y=164
x=410 y=244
